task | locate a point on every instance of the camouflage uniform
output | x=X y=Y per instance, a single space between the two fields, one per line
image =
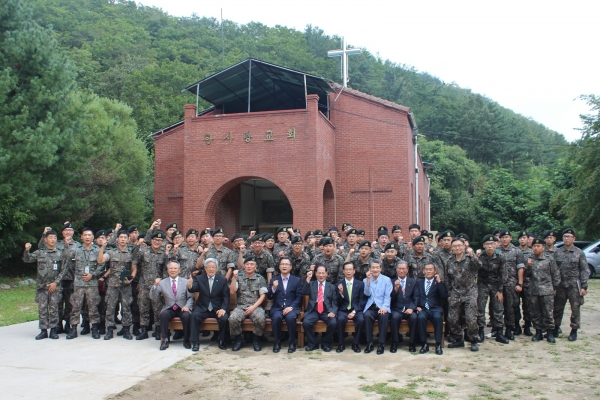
x=462 y=285
x=333 y=265
x=300 y=264
x=249 y=290
x=50 y=269
x=360 y=267
x=574 y=274
x=377 y=251
x=388 y=268
x=347 y=249
x=514 y=261
x=526 y=293
x=545 y=278
x=280 y=247
x=416 y=263
x=86 y=261
x=119 y=261
x=441 y=262
x=403 y=251
x=225 y=257
x=187 y=258
x=490 y=280
x=264 y=261
x=150 y=265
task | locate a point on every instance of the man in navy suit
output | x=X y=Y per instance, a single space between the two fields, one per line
x=403 y=306
x=286 y=292
x=351 y=301
x=429 y=293
x=322 y=305
x=213 y=301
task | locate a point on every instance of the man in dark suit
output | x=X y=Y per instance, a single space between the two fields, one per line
x=351 y=301
x=286 y=292
x=177 y=303
x=213 y=301
x=429 y=294
x=322 y=305
x=403 y=306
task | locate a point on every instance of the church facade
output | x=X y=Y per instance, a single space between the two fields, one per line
x=271 y=153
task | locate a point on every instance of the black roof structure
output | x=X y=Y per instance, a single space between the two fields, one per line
x=253 y=85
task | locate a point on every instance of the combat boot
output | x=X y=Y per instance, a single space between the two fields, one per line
x=95 y=333
x=109 y=333
x=538 y=336
x=42 y=335
x=136 y=329
x=474 y=346
x=126 y=333
x=256 y=343
x=517 y=330
x=59 y=327
x=556 y=332
x=481 y=335
x=500 y=337
x=53 y=334
x=508 y=333
x=573 y=335
x=238 y=343
x=120 y=333
x=72 y=332
x=67 y=327
x=527 y=329
x=86 y=328
x=550 y=337
x=143 y=334
x=102 y=328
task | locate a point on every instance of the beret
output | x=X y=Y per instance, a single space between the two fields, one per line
x=257 y=238
x=309 y=233
x=66 y=226
x=538 y=241
x=345 y=225
x=364 y=243
x=489 y=238
x=548 y=233
x=296 y=239
x=99 y=233
x=569 y=231
x=361 y=232
x=175 y=233
x=172 y=225
x=382 y=228
x=123 y=232
x=159 y=235
x=108 y=231
x=204 y=232
x=282 y=229
x=218 y=231
x=418 y=239
x=414 y=226
x=326 y=241
x=504 y=232
x=327 y=234
x=462 y=236
x=191 y=232
x=382 y=233
x=352 y=231
x=249 y=258
x=318 y=232
x=396 y=228
x=142 y=235
x=51 y=232
x=391 y=245
x=267 y=236
x=132 y=228
x=237 y=236
x=521 y=234
x=334 y=228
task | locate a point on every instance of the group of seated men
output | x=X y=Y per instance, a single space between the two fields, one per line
x=384 y=281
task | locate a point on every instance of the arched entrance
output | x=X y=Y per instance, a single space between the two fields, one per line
x=328 y=206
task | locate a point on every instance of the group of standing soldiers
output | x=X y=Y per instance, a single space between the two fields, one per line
x=109 y=268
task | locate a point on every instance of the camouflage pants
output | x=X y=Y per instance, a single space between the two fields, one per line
x=237 y=317
x=113 y=295
x=48 y=304
x=64 y=306
x=542 y=312
x=102 y=307
x=92 y=298
x=496 y=308
x=512 y=311
x=145 y=303
x=527 y=304
x=560 y=301
x=135 y=309
x=458 y=306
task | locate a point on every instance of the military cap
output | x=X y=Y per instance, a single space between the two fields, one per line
x=361 y=232
x=489 y=238
x=424 y=232
x=50 y=232
x=414 y=226
x=430 y=235
x=237 y=236
x=396 y=228
x=521 y=234
x=364 y=243
x=67 y=225
x=457 y=239
x=548 y=233
x=297 y=231
x=267 y=236
x=418 y=239
x=334 y=228
x=172 y=225
x=98 y=234
x=320 y=242
x=531 y=235
x=87 y=228
x=108 y=231
x=158 y=235
x=175 y=233
x=326 y=241
x=391 y=245
x=327 y=234
x=462 y=236
x=569 y=231
x=282 y=229
x=191 y=232
x=218 y=231
x=122 y=232
x=296 y=239
x=309 y=233
x=249 y=258
x=538 y=241
x=496 y=231
x=318 y=232
x=504 y=232
x=142 y=235
x=132 y=228
x=352 y=231
x=345 y=225
x=204 y=232
x=382 y=233
x=382 y=228
x=446 y=234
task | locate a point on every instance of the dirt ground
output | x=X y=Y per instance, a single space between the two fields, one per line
x=565 y=370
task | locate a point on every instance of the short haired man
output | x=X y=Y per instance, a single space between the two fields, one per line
x=378 y=290
x=403 y=306
x=322 y=305
x=351 y=302
x=429 y=294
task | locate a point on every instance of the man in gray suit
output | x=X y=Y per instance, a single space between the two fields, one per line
x=177 y=303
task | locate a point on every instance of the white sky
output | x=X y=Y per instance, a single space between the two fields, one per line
x=532 y=56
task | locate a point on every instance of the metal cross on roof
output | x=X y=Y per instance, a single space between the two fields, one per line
x=344 y=53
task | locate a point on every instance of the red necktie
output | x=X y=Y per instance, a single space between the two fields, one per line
x=174 y=293
x=320 y=299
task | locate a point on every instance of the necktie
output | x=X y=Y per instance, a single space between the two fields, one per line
x=210 y=283
x=427 y=287
x=320 y=307
x=349 y=284
x=174 y=287
x=402 y=283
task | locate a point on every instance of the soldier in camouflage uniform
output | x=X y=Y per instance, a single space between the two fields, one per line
x=282 y=245
x=444 y=254
x=218 y=251
x=462 y=284
x=250 y=290
x=360 y=259
x=382 y=240
x=187 y=254
x=121 y=273
x=526 y=293
x=265 y=265
x=545 y=279
x=574 y=274
x=349 y=243
x=389 y=260
x=549 y=237
x=513 y=283
x=299 y=259
x=150 y=263
x=86 y=272
x=490 y=284
x=418 y=258
x=50 y=270
x=332 y=262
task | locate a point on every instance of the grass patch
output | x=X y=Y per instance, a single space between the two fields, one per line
x=18 y=305
x=434 y=394
x=391 y=393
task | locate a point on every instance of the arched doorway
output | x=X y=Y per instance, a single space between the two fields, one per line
x=329 y=219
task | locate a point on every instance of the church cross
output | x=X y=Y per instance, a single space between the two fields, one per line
x=344 y=53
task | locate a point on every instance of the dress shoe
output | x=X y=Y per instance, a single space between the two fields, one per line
x=438 y=349
x=508 y=333
x=72 y=332
x=394 y=347
x=256 y=343
x=481 y=335
x=95 y=333
x=474 y=346
x=538 y=336
x=187 y=345
x=355 y=348
x=517 y=330
x=326 y=348
x=411 y=348
x=527 y=329
x=101 y=328
x=178 y=335
x=59 y=328
x=369 y=348
x=164 y=344
x=380 y=348
x=120 y=333
x=195 y=346
x=277 y=347
x=550 y=337
x=292 y=347
x=340 y=348
x=500 y=337
x=42 y=335
x=424 y=349
x=127 y=334
x=143 y=334
x=238 y=343
x=456 y=344
x=156 y=333
x=86 y=328
x=222 y=345
x=311 y=348
x=136 y=329
x=572 y=335
x=109 y=333
x=53 y=334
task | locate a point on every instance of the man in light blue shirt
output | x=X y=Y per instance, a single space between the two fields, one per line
x=378 y=290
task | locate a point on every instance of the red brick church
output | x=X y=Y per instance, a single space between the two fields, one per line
x=282 y=147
